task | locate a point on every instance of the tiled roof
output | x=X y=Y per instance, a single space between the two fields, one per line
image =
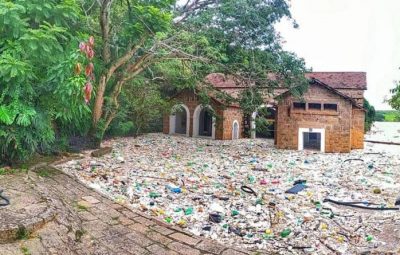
x=336 y=80
x=219 y=80
x=341 y=80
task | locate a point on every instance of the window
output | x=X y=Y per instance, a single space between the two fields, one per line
x=330 y=107
x=314 y=106
x=299 y=106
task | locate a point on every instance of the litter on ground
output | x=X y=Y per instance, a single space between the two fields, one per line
x=248 y=194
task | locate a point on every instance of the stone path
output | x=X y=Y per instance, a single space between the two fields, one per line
x=86 y=222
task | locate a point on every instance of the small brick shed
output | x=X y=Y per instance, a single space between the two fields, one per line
x=329 y=117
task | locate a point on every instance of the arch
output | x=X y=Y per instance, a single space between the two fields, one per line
x=201 y=115
x=235 y=130
x=179 y=120
x=254 y=116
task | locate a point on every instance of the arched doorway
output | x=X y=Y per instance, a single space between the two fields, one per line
x=263 y=122
x=204 y=122
x=235 y=130
x=179 y=120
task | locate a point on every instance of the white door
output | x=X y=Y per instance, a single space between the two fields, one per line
x=311 y=139
x=235 y=130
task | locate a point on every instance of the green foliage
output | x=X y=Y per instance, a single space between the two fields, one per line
x=369 y=115
x=250 y=100
x=387 y=116
x=394 y=101
x=36 y=45
x=246 y=43
x=22 y=233
x=41 y=98
x=25 y=250
x=141 y=109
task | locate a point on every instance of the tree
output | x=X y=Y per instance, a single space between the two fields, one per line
x=369 y=115
x=137 y=39
x=37 y=85
x=394 y=101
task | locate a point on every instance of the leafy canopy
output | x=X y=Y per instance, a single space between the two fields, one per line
x=36 y=85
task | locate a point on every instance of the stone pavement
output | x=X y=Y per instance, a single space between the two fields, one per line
x=86 y=222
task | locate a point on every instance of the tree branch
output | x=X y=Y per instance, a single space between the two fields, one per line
x=125 y=58
x=105 y=9
x=190 y=7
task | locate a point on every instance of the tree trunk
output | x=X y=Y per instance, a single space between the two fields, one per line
x=95 y=132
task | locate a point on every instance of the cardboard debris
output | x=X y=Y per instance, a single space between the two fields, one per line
x=197 y=184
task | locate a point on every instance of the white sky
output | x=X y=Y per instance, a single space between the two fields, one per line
x=349 y=35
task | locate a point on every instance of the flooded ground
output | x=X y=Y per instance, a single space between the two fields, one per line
x=384 y=132
x=236 y=191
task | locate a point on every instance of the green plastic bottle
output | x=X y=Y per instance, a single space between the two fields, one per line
x=189 y=211
x=285 y=233
x=234 y=213
x=154 y=195
x=251 y=179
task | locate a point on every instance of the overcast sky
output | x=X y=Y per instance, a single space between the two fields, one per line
x=349 y=35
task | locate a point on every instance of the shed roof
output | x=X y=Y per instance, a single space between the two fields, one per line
x=330 y=88
x=336 y=80
x=341 y=80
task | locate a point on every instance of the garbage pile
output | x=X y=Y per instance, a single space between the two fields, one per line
x=249 y=194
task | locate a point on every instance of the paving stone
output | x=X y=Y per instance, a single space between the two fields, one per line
x=232 y=252
x=159 y=238
x=210 y=246
x=162 y=230
x=95 y=228
x=185 y=238
x=139 y=227
x=125 y=221
x=156 y=249
x=83 y=205
x=91 y=199
x=139 y=238
x=129 y=214
x=144 y=221
x=183 y=249
x=87 y=216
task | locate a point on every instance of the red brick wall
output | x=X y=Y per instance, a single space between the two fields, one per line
x=231 y=114
x=356 y=94
x=357 y=129
x=337 y=125
x=189 y=99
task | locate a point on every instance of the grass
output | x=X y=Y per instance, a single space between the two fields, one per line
x=25 y=251
x=78 y=235
x=5 y=171
x=46 y=172
x=80 y=207
x=22 y=233
x=43 y=173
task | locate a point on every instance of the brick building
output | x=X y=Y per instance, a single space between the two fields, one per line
x=329 y=117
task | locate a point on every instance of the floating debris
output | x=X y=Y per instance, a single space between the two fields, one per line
x=234 y=191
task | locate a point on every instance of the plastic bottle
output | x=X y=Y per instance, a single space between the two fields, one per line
x=285 y=233
x=154 y=194
x=189 y=211
x=251 y=178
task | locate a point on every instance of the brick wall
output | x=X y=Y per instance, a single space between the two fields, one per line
x=230 y=114
x=190 y=99
x=357 y=128
x=337 y=125
x=356 y=94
